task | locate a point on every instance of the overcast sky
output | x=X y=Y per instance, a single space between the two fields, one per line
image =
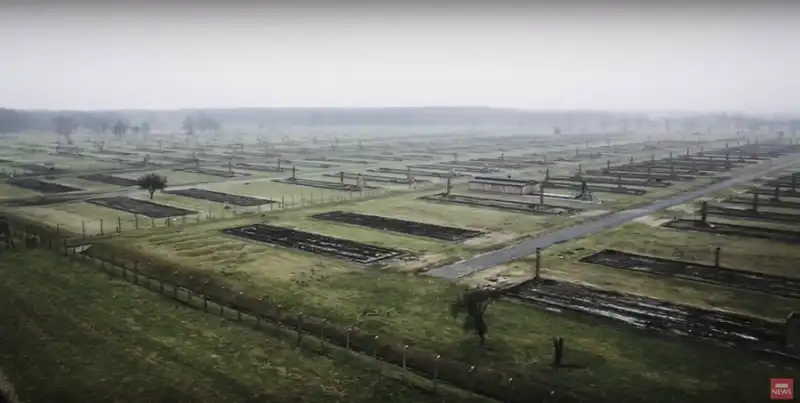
x=619 y=56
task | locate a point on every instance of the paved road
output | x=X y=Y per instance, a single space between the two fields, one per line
x=528 y=247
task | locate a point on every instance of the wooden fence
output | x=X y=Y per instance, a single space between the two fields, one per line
x=201 y=294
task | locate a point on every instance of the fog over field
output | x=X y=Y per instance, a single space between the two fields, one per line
x=604 y=55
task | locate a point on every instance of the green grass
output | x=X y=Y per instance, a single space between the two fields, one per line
x=621 y=362
x=71 y=334
x=207 y=248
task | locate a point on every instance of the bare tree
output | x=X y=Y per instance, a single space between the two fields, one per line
x=65 y=126
x=188 y=126
x=474 y=304
x=119 y=129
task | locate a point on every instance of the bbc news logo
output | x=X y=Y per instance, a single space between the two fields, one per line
x=781 y=389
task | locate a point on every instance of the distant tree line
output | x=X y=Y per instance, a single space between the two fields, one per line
x=191 y=122
x=68 y=123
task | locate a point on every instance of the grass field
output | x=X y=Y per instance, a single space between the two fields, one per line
x=612 y=361
x=12 y=192
x=70 y=334
x=621 y=362
x=206 y=247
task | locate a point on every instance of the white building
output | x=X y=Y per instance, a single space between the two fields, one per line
x=502 y=185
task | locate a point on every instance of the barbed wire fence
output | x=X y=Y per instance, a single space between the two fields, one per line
x=311 y=333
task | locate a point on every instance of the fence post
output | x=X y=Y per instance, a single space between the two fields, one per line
x=83 y=229
x=160 y=286
x=119 y=224
x=168 y=222
x=205 y=303
x=101 y=226
x=197 y=218
x=347 y=338
x=66 y=251
x=405 y=352
x=136 y=220
x=510 y=389
x=322 y=334
x=436 y=371
x=58 y=229
x=238 y=310
x=153 y=222
x=717 y=253
x=299 y=333
x=375 y=348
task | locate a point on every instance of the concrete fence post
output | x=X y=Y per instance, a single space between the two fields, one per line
x=238 y=311
x=300 y=330
x=322 y=334
x=436 y=371
x=538 y=263
x=717 y=253
x=405 y=353
x=704 y=211
x=101 y=227
x=83 y=229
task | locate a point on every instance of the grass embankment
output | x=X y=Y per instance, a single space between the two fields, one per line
x=70 y=334
x=620 y=363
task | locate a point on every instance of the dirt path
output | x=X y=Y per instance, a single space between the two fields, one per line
x=528 y=247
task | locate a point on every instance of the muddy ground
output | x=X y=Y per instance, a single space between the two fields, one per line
x=402 y=226
x=316 y=243
x=748 y=280
x=500 y=204
x=109 y=180
x=220 y=197
x=748 y=214
x=140 y=207
x=653 y=314
x=779 y=235
x=41 y=186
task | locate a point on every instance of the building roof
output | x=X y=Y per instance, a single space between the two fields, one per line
x=505 y=181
